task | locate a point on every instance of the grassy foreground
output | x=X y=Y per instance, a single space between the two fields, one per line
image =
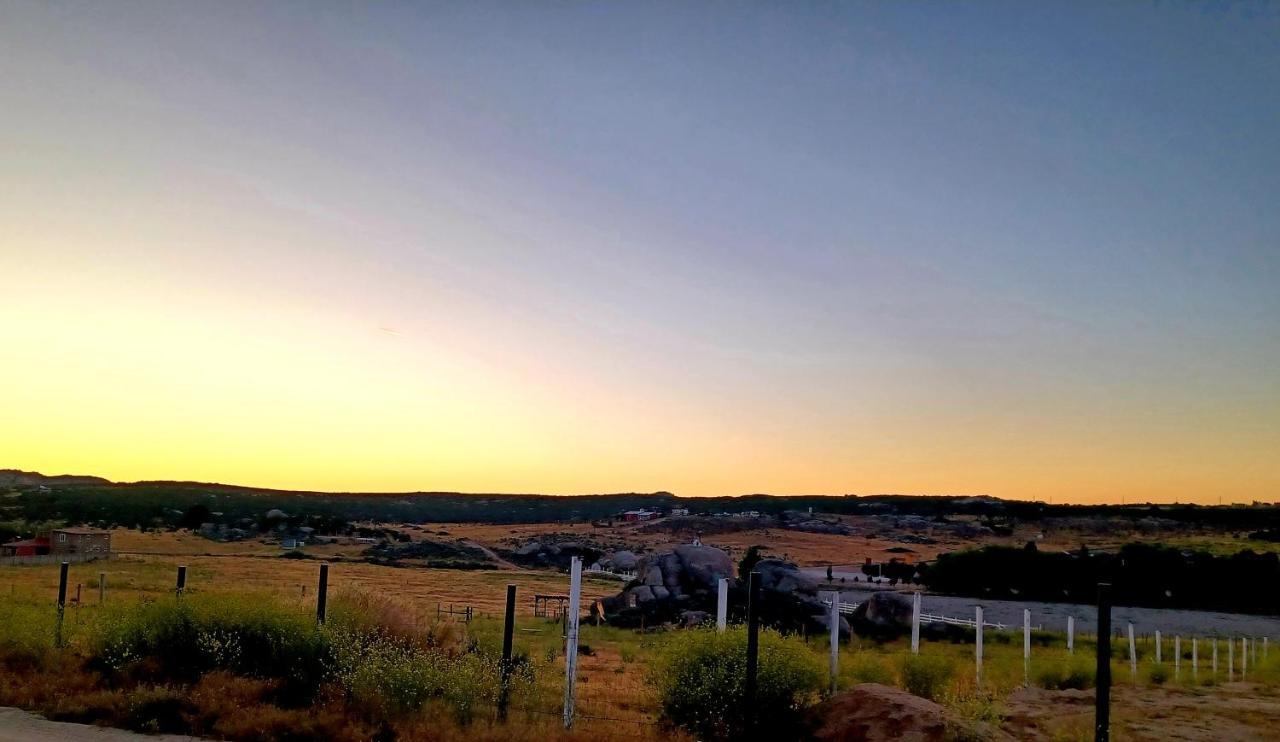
x=255 y=665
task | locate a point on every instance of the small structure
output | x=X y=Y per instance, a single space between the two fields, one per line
x=80 y=541
x=679 y=512
x=542 y=605
x=632 y=516
x=37 y=546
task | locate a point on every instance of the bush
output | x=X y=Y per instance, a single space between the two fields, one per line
x=1067 y=676
x=926 y=675
x=1159 y=674
x=700 y=682
x=867 y=668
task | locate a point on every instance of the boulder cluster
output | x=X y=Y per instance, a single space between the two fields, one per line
x=681 y=586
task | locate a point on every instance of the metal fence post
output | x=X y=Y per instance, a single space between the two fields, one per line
x=62 y=601
x=722 y=604
x=834 y=620
x=915 y=624
x=322 y=594
x=508 y=629
x=1102 y=700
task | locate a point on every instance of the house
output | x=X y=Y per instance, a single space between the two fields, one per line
x=29 y=547
x=679 y=512
x=80 y=541
x=632 y=516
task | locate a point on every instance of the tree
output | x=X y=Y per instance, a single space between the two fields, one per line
x=194 y=516
x=749 y=561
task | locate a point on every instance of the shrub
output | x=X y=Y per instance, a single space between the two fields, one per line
x=926 y=675
x=867 y=668
x=180 y=641
x=1159 y=674
x=700 y=683
x=1067 y=676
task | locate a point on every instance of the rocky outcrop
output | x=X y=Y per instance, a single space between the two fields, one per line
x=877 y=713
x=680 y=587
x=885 y=611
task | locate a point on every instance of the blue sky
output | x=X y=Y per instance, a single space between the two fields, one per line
x=978 y=247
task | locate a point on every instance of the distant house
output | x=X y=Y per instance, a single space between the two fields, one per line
x=30 y=547
x=631 y=516
x=79 y=541
x=679 y=512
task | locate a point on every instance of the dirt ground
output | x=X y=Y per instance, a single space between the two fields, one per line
x=1230 y=711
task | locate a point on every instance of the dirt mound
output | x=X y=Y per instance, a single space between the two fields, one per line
x=878 y=713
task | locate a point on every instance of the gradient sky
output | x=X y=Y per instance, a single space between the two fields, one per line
x=1028 y=250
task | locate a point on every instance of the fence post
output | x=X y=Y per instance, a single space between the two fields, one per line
x=508 y=631
x=834 y=620
x=915 y=624
x=62 y=601
x=1133 y=656
x=977 y=647
x=753 y=648
x=1102 y=700
x=1215 y=656
x=1231 y=660
x=1026 y=647
x=102 y=588
x=1071 y=634
x=1195 y=660
x=571 y=638
x=1264 y=647
x=722 y=604
x=1244 y=657
x=1158 y=659
x=182 y=580
x=1177 y=656
x=322 y=594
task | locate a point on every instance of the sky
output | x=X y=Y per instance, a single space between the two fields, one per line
x=1028 y=250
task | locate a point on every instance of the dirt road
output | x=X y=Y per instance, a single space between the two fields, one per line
x=17 y=725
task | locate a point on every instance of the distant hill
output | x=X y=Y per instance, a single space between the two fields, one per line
x=19 y=478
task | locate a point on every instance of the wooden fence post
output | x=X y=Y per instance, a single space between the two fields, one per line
x=1158 y=658
x=1177 y=656
x=1026 y=647
x=508 y=631
x=1195 y=659
x=977 y=647
x=753 y=648
x=1215 y=656
x=1071 y=634
x=1133 y=656
x=102 y=588
x=571 y=638
x=1102 y=700
x=322 y=594
x=182 y=580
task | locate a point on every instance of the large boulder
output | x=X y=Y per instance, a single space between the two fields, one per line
x=529 y=549
x=652 y=575
x=640 y=594
x=885 y=611
x=877 y=713
x=704 y=566
x=784 y=577
x=624 y=560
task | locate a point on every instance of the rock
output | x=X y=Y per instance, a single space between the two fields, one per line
x=640 y=594
x=653 y=575
x=704 y=565
x=672 y=571
x=276 y=514
x=624 y=560
x=529 y=549
x=824 y=620
x=689 y=619
x=876 y=713
x=886 y=610
x=660 y=592
x=785 y=577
